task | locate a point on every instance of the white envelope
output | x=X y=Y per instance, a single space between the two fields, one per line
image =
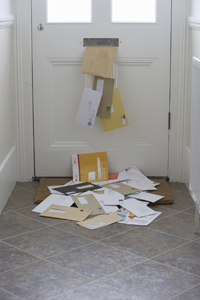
x=137 y=208
x=148 y=197
x=112 y=198
x=53 y=199
x=144 y=221
x=88 y=107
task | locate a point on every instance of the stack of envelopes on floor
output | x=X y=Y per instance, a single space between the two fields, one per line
x=96 y=204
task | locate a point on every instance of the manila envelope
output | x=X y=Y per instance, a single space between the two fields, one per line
x=121 y=188
x=67 y=213
x=98 y=60
x=118 y=116
x=105 y=86
x=89 y=202
x=90 y=167
x=101 y=221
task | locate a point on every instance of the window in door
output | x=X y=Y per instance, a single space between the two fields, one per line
x=69 y=11
x=133 y=11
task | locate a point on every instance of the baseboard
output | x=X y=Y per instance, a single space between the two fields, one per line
x=8 y=176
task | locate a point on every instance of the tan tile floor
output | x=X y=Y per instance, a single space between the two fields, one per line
x=43 y=258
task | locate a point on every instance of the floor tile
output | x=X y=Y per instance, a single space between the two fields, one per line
x=26 y=184
x=47 y=242
x=190 y=211
x=96 y=234
x=193 y=294
x=144 y=242
x=151 y=280
x=32 y=188
x=27 y=211
x=40 y=281
x=4 y=211
x=12 y=224
x=11 y=258
x=20 y=198
x=186 y=257
x=180 y=224
x=96 y=260
x=166 y=211
x=97 y=291
x=181 y=187
x=7 y=296
x=181 y=200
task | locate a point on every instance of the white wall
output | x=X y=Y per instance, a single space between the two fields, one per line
x=195 y=8
x=6 y=111
x=7 y=148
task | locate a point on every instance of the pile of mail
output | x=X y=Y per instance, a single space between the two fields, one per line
x=103 y=100
x=122 y=198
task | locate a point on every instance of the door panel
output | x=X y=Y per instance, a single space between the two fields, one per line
x=141 y=72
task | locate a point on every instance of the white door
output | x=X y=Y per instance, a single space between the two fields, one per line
x=141 y=71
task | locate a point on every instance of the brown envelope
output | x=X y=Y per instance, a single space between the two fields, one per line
x=106 y=99
x=89 y=202
x=99 y=60
x=101 y=221
x=121 y=188
x=64 y=212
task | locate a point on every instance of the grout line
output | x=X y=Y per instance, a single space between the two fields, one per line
x=11 y=294
x=49 y=257
x=175 y=268
x=115 y=289
x=170 y=250
x=96 y=240
x=20 y=267
x=64 y=268
x=176 y=236
x=30 y=217
x=13 y=236
x=183 y=292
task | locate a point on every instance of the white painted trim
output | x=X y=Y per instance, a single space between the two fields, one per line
x=180 y=91
x=194 y=22
x=7 y=177
x=6 y=20
x=22 y=90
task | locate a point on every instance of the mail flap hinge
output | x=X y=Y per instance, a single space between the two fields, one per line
x=169 y=120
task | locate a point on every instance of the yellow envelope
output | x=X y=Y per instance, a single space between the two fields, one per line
x=117 y=118
x=98 y=60
x=90 y=167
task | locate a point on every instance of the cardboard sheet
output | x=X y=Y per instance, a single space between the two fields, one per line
x=118 y=117
x=121 y=188
x=88 y=107
x=67 y=213
x=88 y=201
x=104 y=85
x=77 y=188
x=91 y=167
x=98 y=60
x=100 y=221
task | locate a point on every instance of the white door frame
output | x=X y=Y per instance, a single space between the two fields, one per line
x=180 y=92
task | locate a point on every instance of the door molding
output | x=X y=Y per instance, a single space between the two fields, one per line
x=23 y=98
x=180 y=92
